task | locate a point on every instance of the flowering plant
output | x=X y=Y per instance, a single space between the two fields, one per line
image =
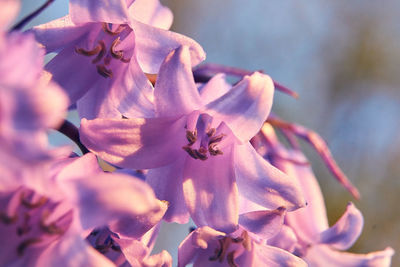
x=181 y=143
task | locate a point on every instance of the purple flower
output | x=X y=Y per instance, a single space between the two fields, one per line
x=200 y=150
x=26 y=113
x=103 y=47
x=208 y=247
x=307 y=232
x=44 y=225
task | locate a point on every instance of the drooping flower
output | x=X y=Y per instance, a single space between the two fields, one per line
x=306 y=232
x=44 y=226
x=208 y=247
x=200 y=150
x=25 y=112
x=104 y=47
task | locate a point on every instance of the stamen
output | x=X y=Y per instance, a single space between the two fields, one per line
x=211 y=132
x=33 y=205
x=106 y=29
x=216 y=139
x=190 y=151
x=103 y=71
x=101 y=53
x=230 y=258
x=8 y=219
x=214 y=150
x=191 y=136
x=88 y=53
x=25 y=228
x=201 y=153
x=116 y=54
x=25 y=244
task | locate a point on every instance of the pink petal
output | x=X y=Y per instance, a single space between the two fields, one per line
x=155 y=44
x=265 y=224
x=246 y=106
x=264 y=184
x=211 y=192
x=286 y=239
x=214 y=88
x=151 y=12
x=135 y=143
x=105 y=197
x=311 y=220
x=137 y=226
x=175 y=92
x=262 y=255
x=324 y=256
x=71 y=250
x=346 y=230
x=9 y=10
x=197 y=240
x=110 y=11
x=167 y=185
x=58 y=33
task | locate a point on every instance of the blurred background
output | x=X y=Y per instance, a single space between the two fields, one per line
x=342 y=57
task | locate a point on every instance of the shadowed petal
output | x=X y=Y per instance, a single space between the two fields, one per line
x=106 y=197
x=72 y=250
x=57 y=33
x=155 y=44
x=135 y=143
x=214 y=88
x=211 y=192
x=265 y=224
x=346 y=231
x=324 y=256
x=137 y=226
x=76 y=83
x=286 y=239
x=21 y=60
x=312 y=219
x=264 y=184
x=110 y=11
x=262 y=255
x=175 y=92
x=196 y=240
x=167 y=185
x=246 y=106
x=152 y=12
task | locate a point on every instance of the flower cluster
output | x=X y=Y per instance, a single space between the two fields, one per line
x=183 y=142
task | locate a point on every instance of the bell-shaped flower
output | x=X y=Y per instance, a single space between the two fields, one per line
x=104 y=47
x=200 y=151
x=26 y=113
x=208 y=247
x=307 y=232
x=46 y=226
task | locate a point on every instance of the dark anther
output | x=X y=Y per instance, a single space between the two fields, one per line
x=213 y=149
x=88 y=53
x=217 y=251
x=103 y=71
x=190 y=151
x=216 y=139
x=211 y=132
x=191 y=137
x=25 y=228
x=201 y=153
x=230 y=258
x=106 y=29
x=26 y=243
x=116 y=54
x=8 y=219
x=101 y=52
x=33 y=205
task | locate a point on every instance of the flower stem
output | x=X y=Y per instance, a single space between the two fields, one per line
x=31 y=16
x=70 y=131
